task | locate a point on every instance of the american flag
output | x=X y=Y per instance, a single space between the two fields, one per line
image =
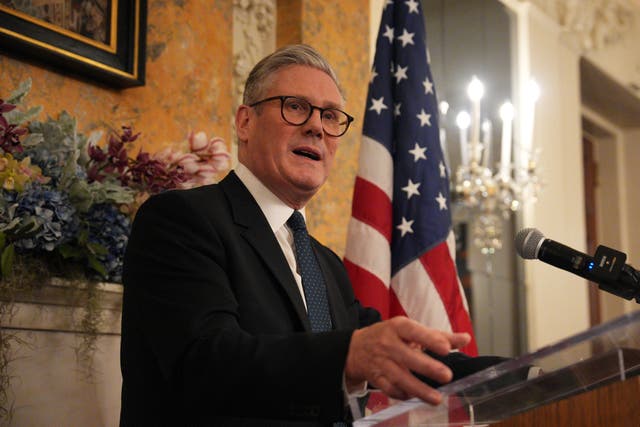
x=400 y=248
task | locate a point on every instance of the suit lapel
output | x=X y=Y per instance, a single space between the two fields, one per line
x=256 y=230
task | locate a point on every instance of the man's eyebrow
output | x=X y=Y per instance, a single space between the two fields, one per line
x=329 y=104
x=334 y=105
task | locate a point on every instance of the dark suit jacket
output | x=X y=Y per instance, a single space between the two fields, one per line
x=214 y=330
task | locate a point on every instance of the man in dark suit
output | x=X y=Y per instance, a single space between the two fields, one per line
x=215 y=329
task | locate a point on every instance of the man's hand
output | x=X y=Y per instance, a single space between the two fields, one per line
x=386 y=352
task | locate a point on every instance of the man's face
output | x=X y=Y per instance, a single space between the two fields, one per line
x=292 y=161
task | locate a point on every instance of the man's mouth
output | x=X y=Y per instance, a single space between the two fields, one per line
x=307 y=153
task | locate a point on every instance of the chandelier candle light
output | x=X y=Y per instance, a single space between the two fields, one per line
x=490 y=196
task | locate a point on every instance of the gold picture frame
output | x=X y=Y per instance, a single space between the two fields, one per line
x=100 y=40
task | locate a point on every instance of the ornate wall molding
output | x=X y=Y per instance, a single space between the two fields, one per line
x=254 y=36
x=596 y=23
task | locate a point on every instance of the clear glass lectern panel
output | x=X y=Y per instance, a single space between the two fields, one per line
x=604 y=354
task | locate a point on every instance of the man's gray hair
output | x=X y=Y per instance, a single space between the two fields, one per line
x=260 y=77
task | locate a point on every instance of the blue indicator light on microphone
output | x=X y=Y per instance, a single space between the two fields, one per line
x=591 y=265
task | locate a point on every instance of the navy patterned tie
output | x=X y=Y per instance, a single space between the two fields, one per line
x=315 y=291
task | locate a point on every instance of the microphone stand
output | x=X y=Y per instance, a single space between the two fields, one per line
x=626 y=286
x=609 y=271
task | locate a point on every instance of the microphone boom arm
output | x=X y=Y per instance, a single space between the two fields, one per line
x=627 y=286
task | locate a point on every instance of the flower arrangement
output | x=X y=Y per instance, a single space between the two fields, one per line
x=65 y=199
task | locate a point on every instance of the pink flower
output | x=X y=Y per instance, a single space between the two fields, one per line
x=207 y=158
x=207 y=172
x=165 y=156
x=190 y=163
x=198 y=141
x=212 y=149
x=220 y=161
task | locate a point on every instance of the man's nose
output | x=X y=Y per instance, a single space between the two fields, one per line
x=313 y=126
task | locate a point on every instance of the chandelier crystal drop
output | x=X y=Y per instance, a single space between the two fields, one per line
x=489 y=195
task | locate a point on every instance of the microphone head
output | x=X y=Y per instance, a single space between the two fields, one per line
x=528 y=241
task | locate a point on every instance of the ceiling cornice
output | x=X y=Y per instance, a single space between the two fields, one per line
x=596 y=23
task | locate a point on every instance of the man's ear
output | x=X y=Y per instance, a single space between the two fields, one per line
x=242 y=123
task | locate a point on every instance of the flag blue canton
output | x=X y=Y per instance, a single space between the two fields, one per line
x=402 y=115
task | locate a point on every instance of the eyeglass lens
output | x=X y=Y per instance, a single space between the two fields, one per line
x=297 y=111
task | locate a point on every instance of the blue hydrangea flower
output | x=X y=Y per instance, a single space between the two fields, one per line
x=53 y=164
x=81 y=173
x=50 y=163
x=6 y=198
x=110 y=228
x=53 y=211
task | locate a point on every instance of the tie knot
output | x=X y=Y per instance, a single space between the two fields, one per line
x=296 y=221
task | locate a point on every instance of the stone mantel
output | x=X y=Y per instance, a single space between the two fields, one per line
x=59 y=306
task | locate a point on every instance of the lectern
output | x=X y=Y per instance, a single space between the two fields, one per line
x=589 y=379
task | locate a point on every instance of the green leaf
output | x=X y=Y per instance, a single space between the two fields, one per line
x=83 y=237
x=29 y=228
x=3 y=239
x=6 y=260
x=84 y=195
x=32 y=139
x=68 y=173
x=68 y=251
x=97 y=248
x=97 y=265
x=18 y=117
x=18 y=95
x=67 y=124
x=10 y=225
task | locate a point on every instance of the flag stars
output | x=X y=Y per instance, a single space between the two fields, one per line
x=442 y=202
x=425 y=119
x=406 y=37
x=413 y=6
x=401 y=73
x=387 y=3
x=443 y=170
x=374 y=74
x=418 y=152
x=405 y=227
x=396 y=109
x=428 y=86
x=388 y=33
x=377 y=105
x=411 y=189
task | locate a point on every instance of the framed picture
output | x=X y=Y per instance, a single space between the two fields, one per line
x=102 y=40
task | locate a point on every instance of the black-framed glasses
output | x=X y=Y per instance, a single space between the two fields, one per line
x=297 y=111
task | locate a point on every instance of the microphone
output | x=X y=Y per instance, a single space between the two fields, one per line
x=607 y=267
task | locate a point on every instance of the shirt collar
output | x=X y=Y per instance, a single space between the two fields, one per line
x=275 y=210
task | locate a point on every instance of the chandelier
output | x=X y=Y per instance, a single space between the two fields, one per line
x=489 y=195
